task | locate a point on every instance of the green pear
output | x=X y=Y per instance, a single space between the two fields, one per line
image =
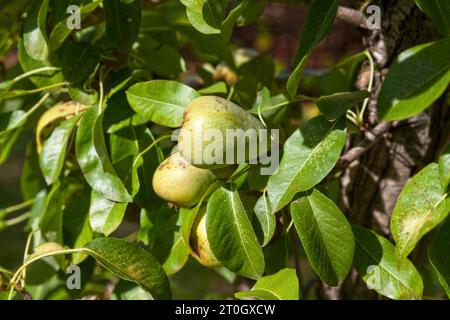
x=200 y=243
x=209 y=136
x=178 y=182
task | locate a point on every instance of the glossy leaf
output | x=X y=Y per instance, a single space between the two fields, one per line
x=76 y=228
x=334 y=106
x=206 y=15
x=60 y=32
x=94 y=160
x=231 y=236
x=380 y=268
x=266 y=219
x=105 y=215
x=132 y=263
x=55 y=148
x=439 y=255
x=282 y=285
x=28 y=64
x=50 y=223
x=416 y=79
x=178 y=257
x=161 y=101
x=34 y=34
x=319 y=20
x=310 y=154
x=439 y=12
x=421 y=206
x=342 y=76
x=326 y=236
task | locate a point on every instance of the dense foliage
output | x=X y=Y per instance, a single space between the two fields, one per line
x=99 y=107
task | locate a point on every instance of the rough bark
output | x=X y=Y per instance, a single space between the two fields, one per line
x=370 y=186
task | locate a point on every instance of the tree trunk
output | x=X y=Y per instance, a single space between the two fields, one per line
x=370 y=186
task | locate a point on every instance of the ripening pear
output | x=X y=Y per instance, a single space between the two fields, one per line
x=178 y=182
x=200 y=243
x=53 y=117
x=216 y=132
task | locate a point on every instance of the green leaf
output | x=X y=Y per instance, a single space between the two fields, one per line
x=128 y=291
x=267 y=105
x=309 y=155
x=229 y=22
x=444 y=167
x=34 y=37
x=251 y=12
x=439 y=12
x=54 y=150
x=294 y=78
x=122 y=22
x=439 y=255
x=178 y=256
x=93 y=158
x=266 y=219
x=105 y=215
x=60 y=32
x=161 y=101
x=342 y=76
x=206 y=15
x=231 y=236
x=218 y=87
x=282 y=285
x=166 y=60
x=11 y=126
x=326 y=236
x=334 y=106
x=76 y=228
x=28 y=64
x=78 y=61
x=50 y=223
x=318 y=23
x=379 y=267
x=421 y=206
x=30 y=177
x=416 y=79
x=197 y=20
x=132 y=263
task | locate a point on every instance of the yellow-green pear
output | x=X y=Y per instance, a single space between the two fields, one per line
x=200 y=243
x=216 y=133
x=178 y=182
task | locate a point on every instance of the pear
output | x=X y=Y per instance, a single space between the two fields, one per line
x=204 y=140
x=200 y=243
x=178 y=182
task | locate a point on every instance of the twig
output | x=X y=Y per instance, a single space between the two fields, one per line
x=352 y=16
x=371 y=137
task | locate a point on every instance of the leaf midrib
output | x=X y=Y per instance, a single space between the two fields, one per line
x=156 y=101
x=313 y=151
x=381 y=265
x=240 y=235
x=321 y=236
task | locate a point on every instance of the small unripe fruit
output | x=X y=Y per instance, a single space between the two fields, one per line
x=178 y=182
x=53 y=117
x=200 y=243
x=209 y=117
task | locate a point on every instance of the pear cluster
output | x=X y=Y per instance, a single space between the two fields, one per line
x=183 y=182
